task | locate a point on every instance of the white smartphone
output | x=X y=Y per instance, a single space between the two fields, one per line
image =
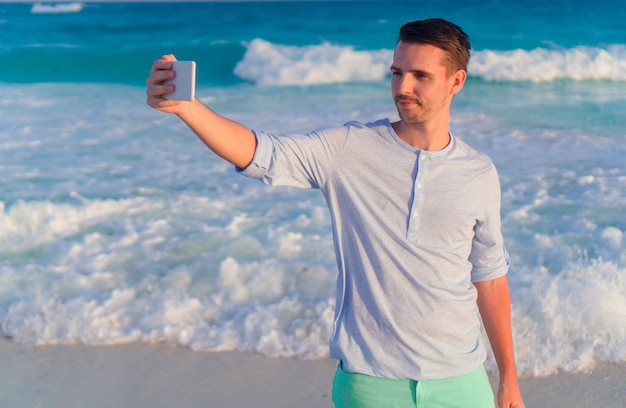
x=185 y=81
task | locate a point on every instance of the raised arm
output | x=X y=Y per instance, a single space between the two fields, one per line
x=227 y=138
x=494 y=304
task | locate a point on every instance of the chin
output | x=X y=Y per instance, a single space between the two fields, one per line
x=411 y=118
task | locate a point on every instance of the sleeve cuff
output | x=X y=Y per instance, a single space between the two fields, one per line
x=257 y=169
x=482 y=274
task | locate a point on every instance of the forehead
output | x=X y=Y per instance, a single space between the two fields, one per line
x=409 y=56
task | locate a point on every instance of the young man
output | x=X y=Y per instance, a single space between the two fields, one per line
x=416 y=223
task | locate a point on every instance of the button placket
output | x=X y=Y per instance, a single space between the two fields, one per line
x=418 y=197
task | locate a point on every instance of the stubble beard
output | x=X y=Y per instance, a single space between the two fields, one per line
x=416 y=115
x=411 y=117
x=422 y=112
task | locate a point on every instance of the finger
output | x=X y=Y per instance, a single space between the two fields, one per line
x=160 y=65
x=164 y=63
x=159 y=76
x=157 y=91
x=168 y=57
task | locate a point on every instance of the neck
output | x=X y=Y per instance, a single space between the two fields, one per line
x=422 y=136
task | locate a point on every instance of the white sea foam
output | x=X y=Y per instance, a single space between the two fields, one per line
x=579 y=63
x=69 y=7
x=569 y=319
x=114 y=271
x=273 y=64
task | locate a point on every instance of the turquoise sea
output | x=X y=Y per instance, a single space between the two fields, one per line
x=117 y=225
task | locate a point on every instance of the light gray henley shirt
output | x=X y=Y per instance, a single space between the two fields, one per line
x=412 y=230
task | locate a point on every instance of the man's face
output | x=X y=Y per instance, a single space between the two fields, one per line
x=420 y=84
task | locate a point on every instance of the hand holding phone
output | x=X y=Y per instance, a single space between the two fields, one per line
x=184 y=82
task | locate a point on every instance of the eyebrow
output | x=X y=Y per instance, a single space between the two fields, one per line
x=411 y=71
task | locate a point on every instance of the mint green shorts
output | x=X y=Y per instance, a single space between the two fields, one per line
x=352 y=390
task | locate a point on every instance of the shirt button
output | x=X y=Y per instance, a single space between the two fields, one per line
x=419 y=185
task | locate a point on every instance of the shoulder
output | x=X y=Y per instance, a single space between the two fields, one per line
x=474 y=161
x=461 y=149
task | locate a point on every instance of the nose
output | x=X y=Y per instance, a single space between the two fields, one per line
x=403 y=84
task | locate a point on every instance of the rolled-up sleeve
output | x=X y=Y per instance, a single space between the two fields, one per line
x=295 y=160
x=489 y=256
x=262 y=157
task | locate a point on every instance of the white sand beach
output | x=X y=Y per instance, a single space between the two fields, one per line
x=140 y=375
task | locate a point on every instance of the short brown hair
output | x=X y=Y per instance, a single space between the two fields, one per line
x=441 y=34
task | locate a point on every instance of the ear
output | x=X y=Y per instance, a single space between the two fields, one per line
x=457 y=81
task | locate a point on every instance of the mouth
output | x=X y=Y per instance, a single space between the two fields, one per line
x=405 y=101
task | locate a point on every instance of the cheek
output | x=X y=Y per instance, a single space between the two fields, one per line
x=394 y=83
